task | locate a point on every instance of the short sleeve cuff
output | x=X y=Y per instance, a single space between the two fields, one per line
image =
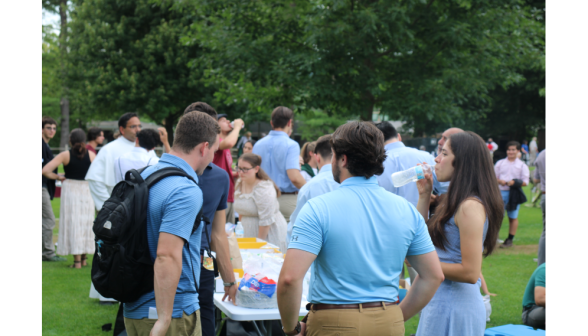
x=267 y=221
x=304 y=247
x=421 y=251
x=184 y=235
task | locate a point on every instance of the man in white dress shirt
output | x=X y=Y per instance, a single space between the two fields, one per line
x=141 y=156
x=101 y=175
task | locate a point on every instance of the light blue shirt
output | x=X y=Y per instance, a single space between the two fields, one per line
x=400 y=158
x=360 y=234
x=278 y=154
x=322 y=183
x=173 y=205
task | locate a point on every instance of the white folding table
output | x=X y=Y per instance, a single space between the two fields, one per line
x=237 y=313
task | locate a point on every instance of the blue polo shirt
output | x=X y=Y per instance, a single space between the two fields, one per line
x=322 y=183
x=214 y=183
x=278 y=154
x=173 y=205
x=360 y=234
x=400 y=158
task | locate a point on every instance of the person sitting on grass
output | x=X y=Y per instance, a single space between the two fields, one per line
x=534 y=300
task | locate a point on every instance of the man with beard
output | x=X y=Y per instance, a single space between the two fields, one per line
x=356 y=238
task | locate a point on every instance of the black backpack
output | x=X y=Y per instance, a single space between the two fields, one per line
x=122 y=268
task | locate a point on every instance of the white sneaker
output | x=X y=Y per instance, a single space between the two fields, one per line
x=499 y=241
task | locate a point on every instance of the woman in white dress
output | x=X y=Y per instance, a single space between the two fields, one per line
x=256 y=201
x=77 y=206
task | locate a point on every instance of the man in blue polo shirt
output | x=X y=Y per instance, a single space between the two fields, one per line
x=172 y=308
x=322 y=183
x=214 y=183
x=356 y=238
x=280 y=159
x=400 y=158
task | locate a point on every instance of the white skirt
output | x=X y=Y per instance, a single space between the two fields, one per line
x=76 y=218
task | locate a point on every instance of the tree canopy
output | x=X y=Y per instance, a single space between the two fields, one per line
x=128 y=56
x=428 y=63
x=417 y=61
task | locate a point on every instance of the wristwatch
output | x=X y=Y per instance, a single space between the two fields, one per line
x=229 y=284
x=296 y=330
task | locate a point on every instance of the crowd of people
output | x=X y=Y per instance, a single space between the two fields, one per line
x=330 y=206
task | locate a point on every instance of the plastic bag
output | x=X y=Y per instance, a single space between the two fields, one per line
x=258 y=286
x=486 y=299
x=229 y=229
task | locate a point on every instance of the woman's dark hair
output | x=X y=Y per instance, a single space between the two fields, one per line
x=94 y=133
x=252 y=142
x=306 y=149
x=513 y=143
x=77 y=139
x=363 y=144
x=473 y=175
x=255 y=160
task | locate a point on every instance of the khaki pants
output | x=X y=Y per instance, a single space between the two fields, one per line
x=230 y=213
x=386 y=320
x=184 y=326
x=48 y=225
x=287 y=205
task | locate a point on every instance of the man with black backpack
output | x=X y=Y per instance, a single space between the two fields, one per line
x=174 y=234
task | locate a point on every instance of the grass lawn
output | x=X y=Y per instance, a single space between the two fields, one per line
x=68 y=310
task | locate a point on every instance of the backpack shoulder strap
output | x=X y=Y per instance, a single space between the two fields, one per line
x=166 y=172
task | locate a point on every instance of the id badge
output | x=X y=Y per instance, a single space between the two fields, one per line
x=207 y=262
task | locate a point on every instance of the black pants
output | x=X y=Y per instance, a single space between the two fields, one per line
x=205 y=298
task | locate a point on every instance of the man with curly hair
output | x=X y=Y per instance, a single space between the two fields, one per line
x=356 y=238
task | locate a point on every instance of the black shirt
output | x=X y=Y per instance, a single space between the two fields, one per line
x=77 y=168
x=48 y=156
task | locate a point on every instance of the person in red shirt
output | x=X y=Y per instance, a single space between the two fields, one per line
x=222 y=158
x=95 y=138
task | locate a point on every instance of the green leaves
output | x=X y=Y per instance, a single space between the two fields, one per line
x=416 y=60
x=135 y=56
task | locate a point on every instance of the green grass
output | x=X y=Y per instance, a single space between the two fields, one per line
x=68 y=310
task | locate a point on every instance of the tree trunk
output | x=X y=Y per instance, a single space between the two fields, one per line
x=369 y=111
x=63 y=51
x=64 y=104
x=169 y=127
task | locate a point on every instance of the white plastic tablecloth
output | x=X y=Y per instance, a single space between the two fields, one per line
x=237 y=313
